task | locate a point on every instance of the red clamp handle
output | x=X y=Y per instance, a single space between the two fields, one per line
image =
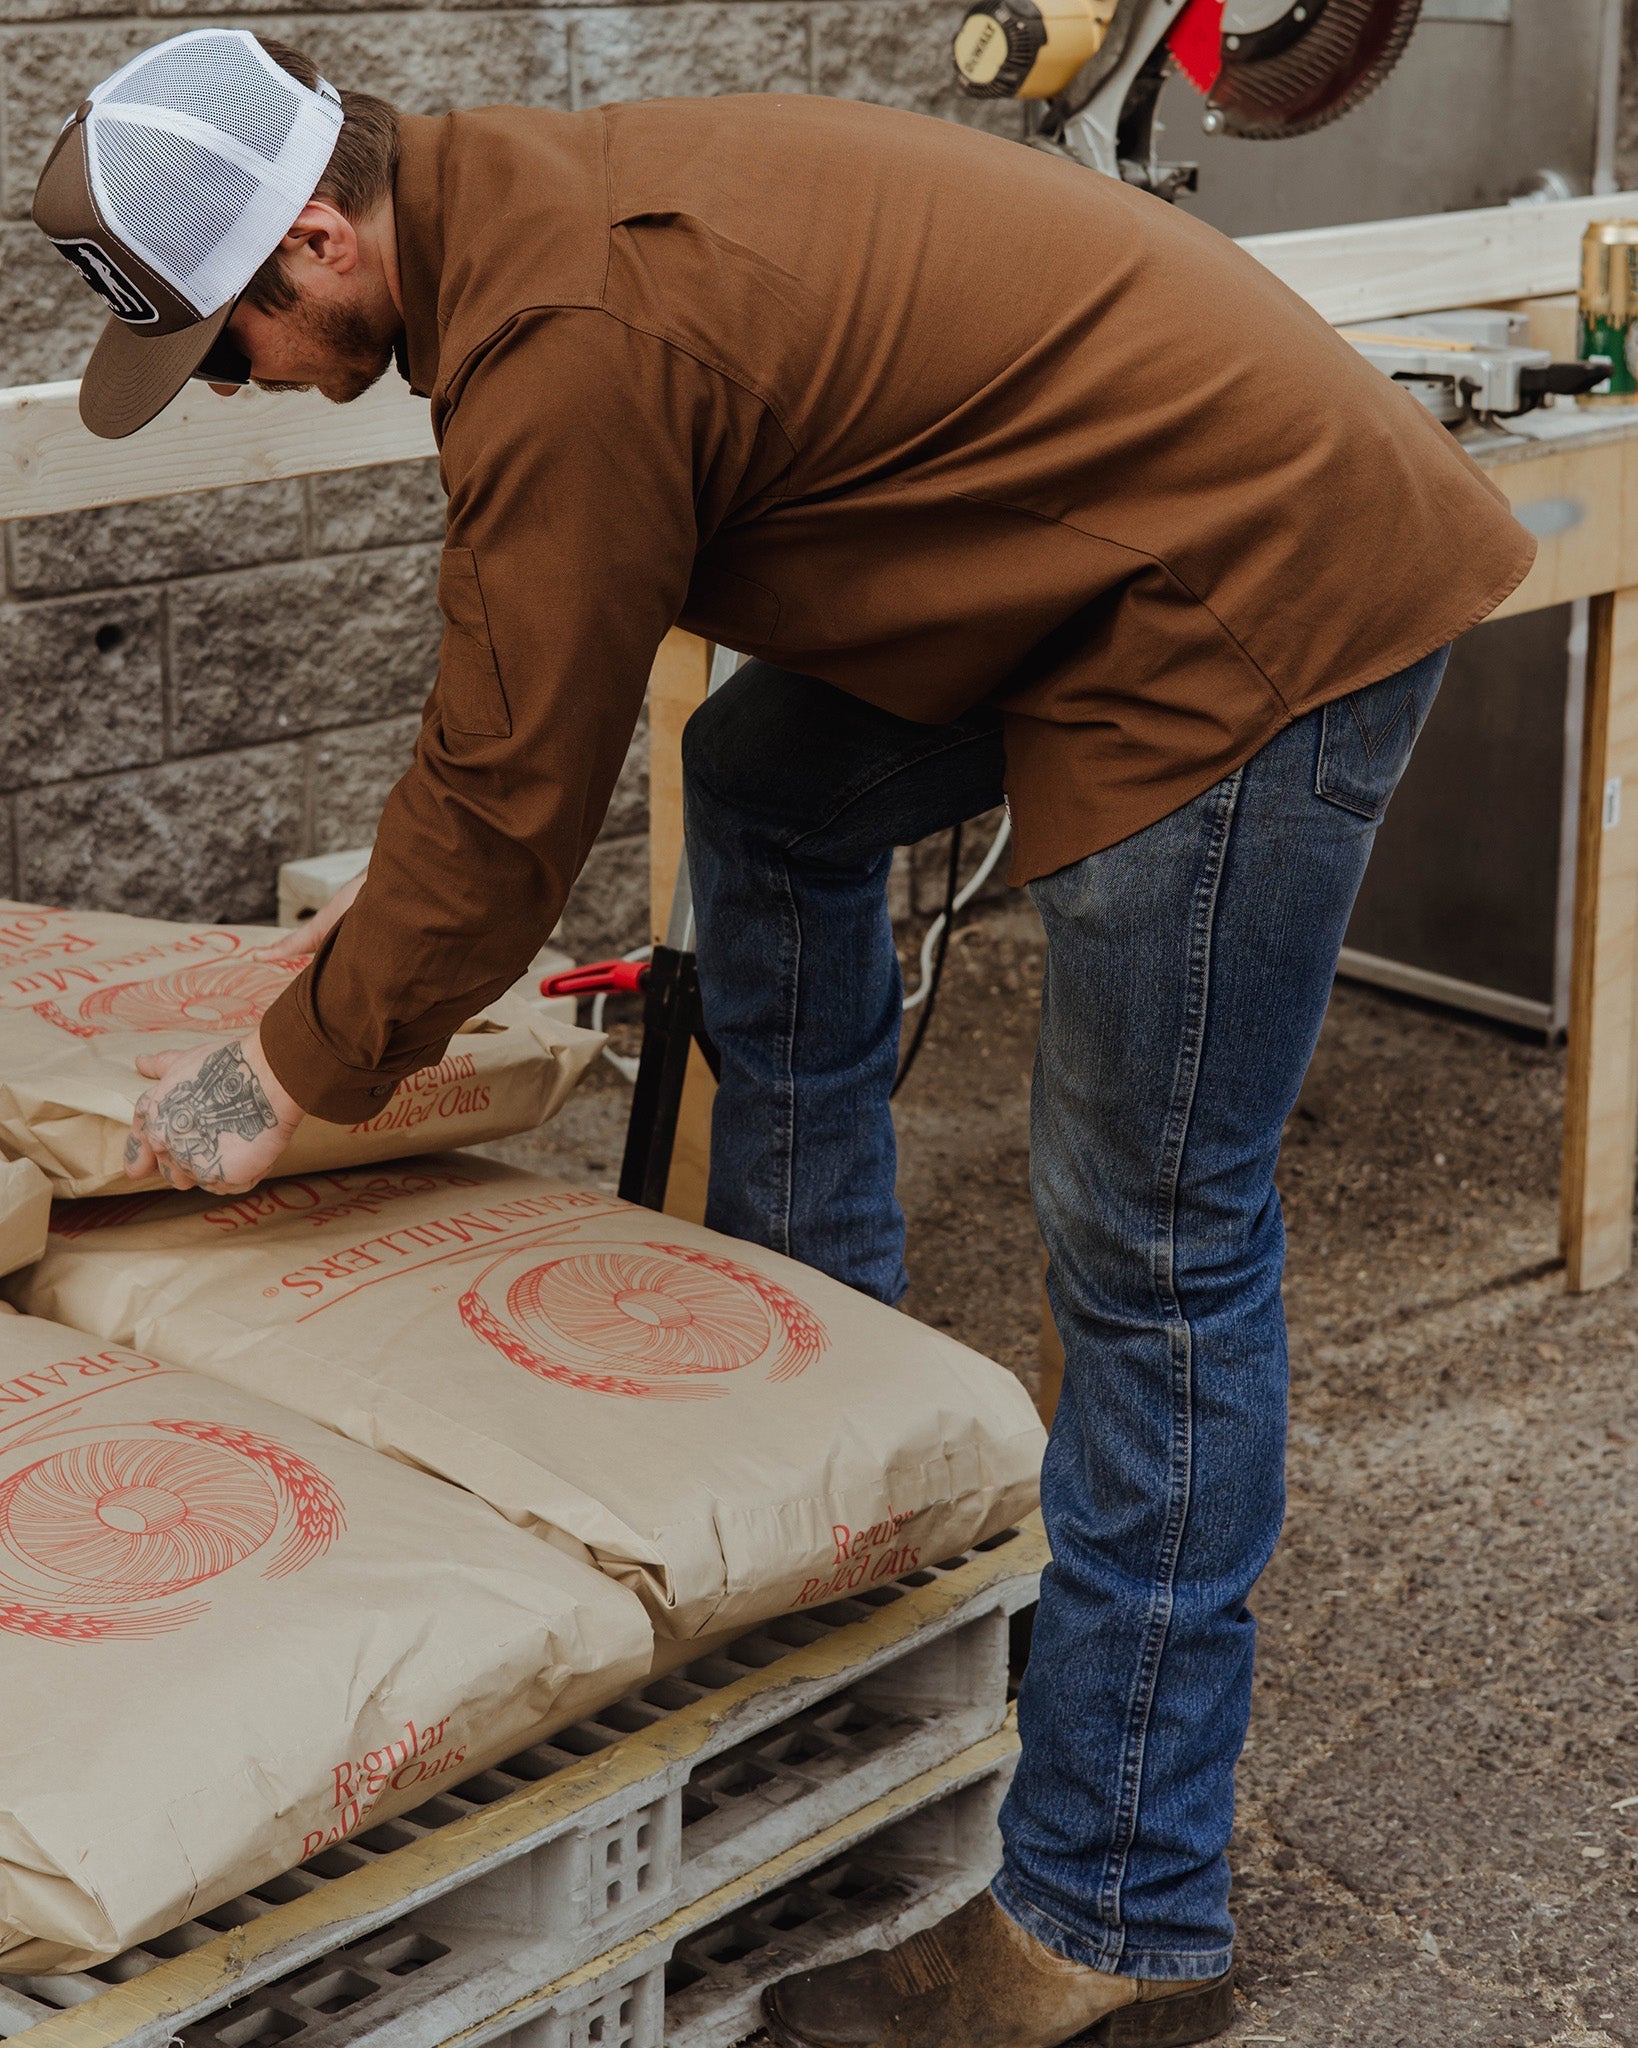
x=599 y=977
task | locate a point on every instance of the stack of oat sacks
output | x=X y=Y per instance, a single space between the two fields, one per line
x=689 y=1435
x=228 y=1636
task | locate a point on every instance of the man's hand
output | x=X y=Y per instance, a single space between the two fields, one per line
x=218 y=1118
x=303 y=940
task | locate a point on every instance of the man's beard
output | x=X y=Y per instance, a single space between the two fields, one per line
x=355 y=354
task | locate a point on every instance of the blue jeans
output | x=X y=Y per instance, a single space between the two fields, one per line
x=1188 y=970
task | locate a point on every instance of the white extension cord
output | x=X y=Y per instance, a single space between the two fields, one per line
x=929 y=945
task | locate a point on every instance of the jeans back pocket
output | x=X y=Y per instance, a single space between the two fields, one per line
x=1366 y=738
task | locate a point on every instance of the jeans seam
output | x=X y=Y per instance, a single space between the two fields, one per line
x=1146 y=1677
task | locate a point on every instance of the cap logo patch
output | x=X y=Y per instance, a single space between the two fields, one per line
x=109 y=282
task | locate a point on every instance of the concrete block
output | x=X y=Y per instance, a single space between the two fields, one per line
x=269 y=653
x=635 y=53
x=607 y=911
x=160 y=538
x=429 y=63
x=49 y=316
x=305 y=886
x=80 y=687
x=376 y=508
x=52 y=10
x=191 y=839
x=352 y=773
x=628 y=808
x=44 y=74
x=900 y=57
x=189 y=11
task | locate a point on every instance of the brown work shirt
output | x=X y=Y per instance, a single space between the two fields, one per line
x=932 y=416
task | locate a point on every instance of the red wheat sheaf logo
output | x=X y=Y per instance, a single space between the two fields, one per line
x=214 y=998
x=106 y=1535
x=659 y=1321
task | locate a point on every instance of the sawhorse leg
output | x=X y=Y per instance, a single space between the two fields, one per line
x=1601 y=1087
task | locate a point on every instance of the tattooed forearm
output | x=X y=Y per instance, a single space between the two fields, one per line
x=223 y=1100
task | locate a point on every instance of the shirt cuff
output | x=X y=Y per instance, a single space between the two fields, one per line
x=304 y=1065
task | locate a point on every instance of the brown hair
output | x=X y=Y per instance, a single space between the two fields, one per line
x=357 y=178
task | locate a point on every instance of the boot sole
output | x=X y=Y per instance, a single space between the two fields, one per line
x=1162 y=2023
x=1176 y=2022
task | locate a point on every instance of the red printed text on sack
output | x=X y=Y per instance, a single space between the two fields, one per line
x=322 y=1198
x=80 y=975
x=32 y=935
x=72 y=1375
x=435 y=1234
x=862 y=1557
x=359 y=1784
x=433 y=1094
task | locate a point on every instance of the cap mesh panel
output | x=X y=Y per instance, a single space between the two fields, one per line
x=168 y=197
x=219 y=81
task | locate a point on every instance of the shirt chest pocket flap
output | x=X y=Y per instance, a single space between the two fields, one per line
x=470 y=696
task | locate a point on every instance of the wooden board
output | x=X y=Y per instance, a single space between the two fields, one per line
x=1379 y=269
x=677 y=687
x=686 y=1190
x=50 y=463
x=1601 y=1090
x=1372 y=271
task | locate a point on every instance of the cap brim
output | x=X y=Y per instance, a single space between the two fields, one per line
x=131 y=378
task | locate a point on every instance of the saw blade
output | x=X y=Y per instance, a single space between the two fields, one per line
x=1313 y=68
x=1196 y=41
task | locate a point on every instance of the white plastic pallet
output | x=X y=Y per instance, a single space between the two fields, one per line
x=696 y=1979
x=526 y=1872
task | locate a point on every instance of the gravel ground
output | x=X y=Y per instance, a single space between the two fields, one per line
x=1435 y=1844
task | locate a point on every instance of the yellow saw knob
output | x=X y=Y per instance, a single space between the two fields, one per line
x=1028 y=49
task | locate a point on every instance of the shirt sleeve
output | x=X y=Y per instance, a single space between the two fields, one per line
x=581 y=459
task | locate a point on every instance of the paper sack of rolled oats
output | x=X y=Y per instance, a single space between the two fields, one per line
x=25 y=1208
x=83 y=993
x=728 y=1432
x=229 y=1638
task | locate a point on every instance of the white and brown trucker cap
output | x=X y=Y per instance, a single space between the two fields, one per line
x=167 y=190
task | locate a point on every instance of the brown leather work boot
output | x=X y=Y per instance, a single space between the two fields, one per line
x=977 y=1980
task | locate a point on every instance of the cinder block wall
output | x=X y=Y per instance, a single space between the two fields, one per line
x=196 y=689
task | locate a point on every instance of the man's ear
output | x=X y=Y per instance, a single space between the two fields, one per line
x=321 y=234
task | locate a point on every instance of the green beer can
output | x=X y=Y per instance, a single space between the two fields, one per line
x=1609 y=307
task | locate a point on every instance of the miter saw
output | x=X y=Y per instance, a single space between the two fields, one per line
x=1267 y=68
